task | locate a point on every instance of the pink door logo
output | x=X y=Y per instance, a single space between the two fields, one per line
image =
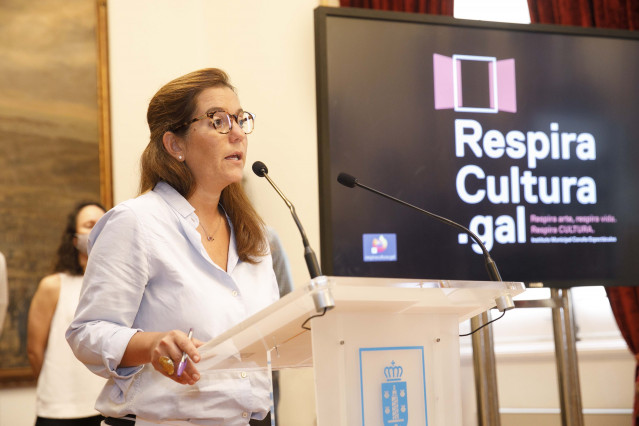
x=449 y=88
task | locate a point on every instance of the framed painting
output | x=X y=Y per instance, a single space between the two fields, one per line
x=54 y=144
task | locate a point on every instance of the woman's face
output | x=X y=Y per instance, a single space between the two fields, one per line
x=216 y=160
x=87 y=218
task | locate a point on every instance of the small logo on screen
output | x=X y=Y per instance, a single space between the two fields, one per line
x=499 y=87
x=380 y=247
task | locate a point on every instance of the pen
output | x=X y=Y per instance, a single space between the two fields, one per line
x=182 y=363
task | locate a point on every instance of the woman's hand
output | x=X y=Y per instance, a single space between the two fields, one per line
x=172 y=345
x=149 y=347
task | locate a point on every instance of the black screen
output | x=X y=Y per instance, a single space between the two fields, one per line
x=526 y=134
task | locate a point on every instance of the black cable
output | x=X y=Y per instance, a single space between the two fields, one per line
x=461 y=335
x=310 y=318
x=482 y=326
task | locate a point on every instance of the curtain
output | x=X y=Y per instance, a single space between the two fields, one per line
x=616 y=14
x=433 y=7
x=625 y=305
x=619 y=14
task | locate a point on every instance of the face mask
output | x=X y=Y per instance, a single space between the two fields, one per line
x=82 y=243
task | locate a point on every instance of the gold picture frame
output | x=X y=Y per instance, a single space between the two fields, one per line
x=104 y=105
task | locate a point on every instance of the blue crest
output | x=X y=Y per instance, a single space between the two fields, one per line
x=394 y=397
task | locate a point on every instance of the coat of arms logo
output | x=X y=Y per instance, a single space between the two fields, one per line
x=394 y=398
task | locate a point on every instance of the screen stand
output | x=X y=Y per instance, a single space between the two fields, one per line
x=485 y=372
x=565 y=352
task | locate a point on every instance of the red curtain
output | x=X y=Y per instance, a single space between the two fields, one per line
x=617 y=14
x=433 y=7
x=625 y=305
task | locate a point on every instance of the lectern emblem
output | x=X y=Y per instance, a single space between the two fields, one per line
x=394 y=399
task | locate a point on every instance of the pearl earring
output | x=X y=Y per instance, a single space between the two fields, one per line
x=180 y=157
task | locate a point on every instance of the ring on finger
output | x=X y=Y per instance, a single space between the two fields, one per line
x=167 y=364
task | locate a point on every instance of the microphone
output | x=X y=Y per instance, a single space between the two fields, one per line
x=491 y=267
x=314 y=270
x=322 y=295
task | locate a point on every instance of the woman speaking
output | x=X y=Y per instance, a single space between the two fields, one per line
x=189 y=253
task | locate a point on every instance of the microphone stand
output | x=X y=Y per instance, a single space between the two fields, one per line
x=491 y=266
x=322 y=298
x=309 y=254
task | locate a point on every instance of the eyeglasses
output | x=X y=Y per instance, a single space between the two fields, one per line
x=222 y=122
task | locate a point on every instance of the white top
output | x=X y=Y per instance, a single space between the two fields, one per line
x=148 y=270
x=66 y=389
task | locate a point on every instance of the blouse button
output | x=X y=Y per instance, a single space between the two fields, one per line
x=234 y=293
x=243 y=374
x=245 y=414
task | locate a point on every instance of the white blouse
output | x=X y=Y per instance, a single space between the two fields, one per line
x=149 y=271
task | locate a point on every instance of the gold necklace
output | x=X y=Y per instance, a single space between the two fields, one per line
x=211 y=237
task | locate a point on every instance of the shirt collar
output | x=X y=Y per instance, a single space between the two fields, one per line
x=187 y=211
x=174 y=199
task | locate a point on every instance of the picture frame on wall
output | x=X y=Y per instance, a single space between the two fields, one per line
x=55 y=148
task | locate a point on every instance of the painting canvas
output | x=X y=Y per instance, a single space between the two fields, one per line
x=49 y=146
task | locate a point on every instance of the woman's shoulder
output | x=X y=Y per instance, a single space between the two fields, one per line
x=147 y=204
x=52 y=280
x=141 y=202
x=50 y=285
x=141 y=214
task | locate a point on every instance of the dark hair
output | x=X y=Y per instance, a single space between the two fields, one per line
x=67 y=255
x=172 y=105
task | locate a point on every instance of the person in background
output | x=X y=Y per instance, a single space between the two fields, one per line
x=66 y=390
x=4 y=291
x=281 y=264
x=189 y=253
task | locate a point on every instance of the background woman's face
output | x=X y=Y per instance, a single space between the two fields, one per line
x=87 y=218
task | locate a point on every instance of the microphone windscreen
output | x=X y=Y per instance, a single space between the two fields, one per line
x=260 y=169
x=347 y=180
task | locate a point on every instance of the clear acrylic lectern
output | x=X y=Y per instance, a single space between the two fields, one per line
x=386 y=354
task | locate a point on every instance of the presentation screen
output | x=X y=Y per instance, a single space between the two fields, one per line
x=527 y=135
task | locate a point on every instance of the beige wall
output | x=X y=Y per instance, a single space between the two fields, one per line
x=268 y=50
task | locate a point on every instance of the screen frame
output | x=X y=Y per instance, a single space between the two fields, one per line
x=323 y=14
